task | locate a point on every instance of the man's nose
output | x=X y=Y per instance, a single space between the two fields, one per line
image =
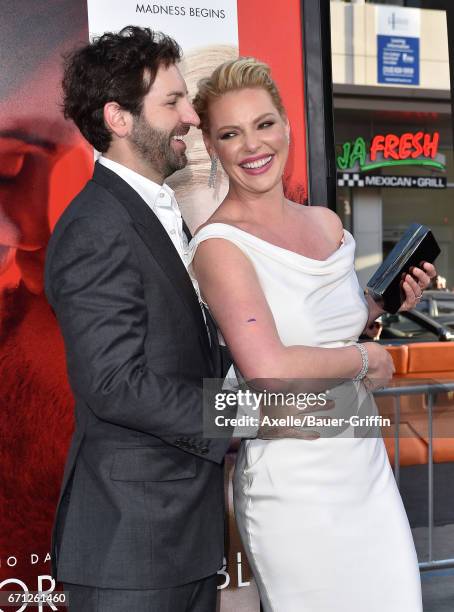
x=188 y=115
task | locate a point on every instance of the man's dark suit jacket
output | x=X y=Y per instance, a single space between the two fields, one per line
x=142 y=501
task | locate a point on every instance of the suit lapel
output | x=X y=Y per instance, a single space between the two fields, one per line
x=154 y=236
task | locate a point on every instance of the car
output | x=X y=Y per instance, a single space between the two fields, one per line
x=437 y=304
x=413 y=326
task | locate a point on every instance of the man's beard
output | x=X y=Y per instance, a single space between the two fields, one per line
x=154 y=147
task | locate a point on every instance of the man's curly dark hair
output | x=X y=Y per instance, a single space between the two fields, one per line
x=116 y=67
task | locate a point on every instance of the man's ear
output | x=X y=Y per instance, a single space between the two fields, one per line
x=117 y=119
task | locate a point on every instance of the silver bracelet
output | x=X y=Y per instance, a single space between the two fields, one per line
x=365 y=362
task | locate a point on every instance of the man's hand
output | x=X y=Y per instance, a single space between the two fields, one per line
x=373 y=330
x=269 y=428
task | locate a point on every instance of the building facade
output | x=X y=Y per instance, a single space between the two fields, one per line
x=392 y=122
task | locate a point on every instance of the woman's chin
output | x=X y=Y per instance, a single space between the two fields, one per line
x=262 y=183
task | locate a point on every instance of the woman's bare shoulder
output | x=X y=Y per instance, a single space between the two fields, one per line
x=321 y=212
x=327 y=219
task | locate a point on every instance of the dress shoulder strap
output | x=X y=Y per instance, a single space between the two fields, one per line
x=218 y=230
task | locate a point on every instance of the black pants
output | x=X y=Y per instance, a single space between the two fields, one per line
x=198 y=596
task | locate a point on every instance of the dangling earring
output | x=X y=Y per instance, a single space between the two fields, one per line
x=213 y=172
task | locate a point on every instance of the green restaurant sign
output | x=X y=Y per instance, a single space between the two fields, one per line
x=388 y=150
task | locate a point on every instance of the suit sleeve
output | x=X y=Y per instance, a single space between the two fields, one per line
x=94 y=284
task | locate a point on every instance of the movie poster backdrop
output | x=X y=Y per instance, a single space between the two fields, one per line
x=44 y=162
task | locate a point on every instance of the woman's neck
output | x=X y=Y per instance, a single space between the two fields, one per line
x=263 y=208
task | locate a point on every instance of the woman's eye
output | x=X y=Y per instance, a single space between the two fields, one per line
x=172 y=103
x=227 y=135
x=266 y=124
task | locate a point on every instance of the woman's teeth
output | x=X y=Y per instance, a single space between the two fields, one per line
x=258 y=163
x=178 y=137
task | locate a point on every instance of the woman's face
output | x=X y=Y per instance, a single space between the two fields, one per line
x=250 y=138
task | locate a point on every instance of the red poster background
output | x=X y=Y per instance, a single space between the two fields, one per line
x=43 y=164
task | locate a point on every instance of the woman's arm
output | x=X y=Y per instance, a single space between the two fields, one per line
x=232 y=290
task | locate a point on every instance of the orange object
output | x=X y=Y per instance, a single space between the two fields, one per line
x=399 y=354
x=434 y=362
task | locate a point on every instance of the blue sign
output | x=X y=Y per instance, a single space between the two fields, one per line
x=398 y=60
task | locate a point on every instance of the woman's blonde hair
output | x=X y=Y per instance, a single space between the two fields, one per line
x=242 y=73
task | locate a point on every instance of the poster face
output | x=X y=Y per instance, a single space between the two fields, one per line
x=44 y=163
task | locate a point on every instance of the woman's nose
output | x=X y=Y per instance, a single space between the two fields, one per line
x=251 y=141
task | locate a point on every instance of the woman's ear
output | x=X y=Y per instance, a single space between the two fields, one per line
x=117 y=119
x=208 y=144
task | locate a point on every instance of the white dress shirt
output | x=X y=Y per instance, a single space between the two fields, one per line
x=161 y=200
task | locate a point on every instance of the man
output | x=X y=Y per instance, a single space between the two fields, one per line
x=140 y=519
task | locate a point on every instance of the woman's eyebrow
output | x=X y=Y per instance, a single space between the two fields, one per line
x=256 y=120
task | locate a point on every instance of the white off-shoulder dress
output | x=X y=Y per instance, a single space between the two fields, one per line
x=322 y=521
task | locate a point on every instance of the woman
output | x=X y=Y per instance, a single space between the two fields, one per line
x=322 y=521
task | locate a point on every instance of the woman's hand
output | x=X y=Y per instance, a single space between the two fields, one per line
x=415 y=283
x=381 y=366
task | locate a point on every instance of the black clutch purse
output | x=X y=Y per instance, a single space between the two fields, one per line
x=416 y=246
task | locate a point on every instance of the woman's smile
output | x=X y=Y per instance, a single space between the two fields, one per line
x=258 y=164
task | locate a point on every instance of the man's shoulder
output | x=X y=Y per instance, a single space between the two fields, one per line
x=93 y=221
x=94 y=215
x=95 y=203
